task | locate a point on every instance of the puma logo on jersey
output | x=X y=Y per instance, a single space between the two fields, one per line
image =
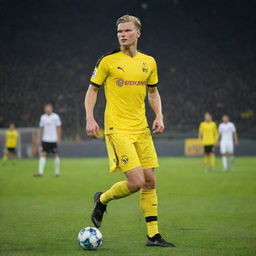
x=121 y=68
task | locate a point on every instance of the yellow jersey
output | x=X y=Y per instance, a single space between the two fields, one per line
x=11 y=138
x=209 y=133
x=125 y=81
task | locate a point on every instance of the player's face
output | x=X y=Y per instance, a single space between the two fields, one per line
x=207 y=117
x=127 y=34
x=12 y=126
x=48 y=109
x=225 y=119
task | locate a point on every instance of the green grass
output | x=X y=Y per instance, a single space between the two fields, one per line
x=202 y=213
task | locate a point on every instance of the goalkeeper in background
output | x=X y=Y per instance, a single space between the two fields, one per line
x=208 y=133
x=11 y=139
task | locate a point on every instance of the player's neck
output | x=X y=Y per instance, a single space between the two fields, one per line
x=130 y=50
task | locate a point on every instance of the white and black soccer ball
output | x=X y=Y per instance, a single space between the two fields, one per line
x=89 y=238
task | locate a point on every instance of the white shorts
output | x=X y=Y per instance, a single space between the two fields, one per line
x=226 y=147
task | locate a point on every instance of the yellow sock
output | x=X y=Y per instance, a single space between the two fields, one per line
x=207 y=161
x=5 y=158
x=213 y=160
x=148 y=204
x=118 y=190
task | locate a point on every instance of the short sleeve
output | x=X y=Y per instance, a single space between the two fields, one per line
x=58 y=121
x=100 y=72
x=153 y=77
x=41 y=123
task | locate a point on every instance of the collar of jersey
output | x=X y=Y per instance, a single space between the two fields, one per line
x=129 y=55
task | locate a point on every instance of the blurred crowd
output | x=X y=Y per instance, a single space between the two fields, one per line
x=205 y=54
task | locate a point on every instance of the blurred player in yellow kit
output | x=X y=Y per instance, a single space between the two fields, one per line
x=208 y=133
x=11 y=140
x=128 y=76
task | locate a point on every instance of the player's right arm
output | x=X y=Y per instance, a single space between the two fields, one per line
x=40 y=134
x=92 y=128
x=98 y=77
x=200 y=131
x=219 y=130
x=40 y=131
x=5 y=140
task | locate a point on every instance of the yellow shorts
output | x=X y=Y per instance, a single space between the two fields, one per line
x=126 y=151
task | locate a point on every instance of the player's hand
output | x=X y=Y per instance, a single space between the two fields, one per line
x=59 y=141
x=158 y=125
x=92 y=128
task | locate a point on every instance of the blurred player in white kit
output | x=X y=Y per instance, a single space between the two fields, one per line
x=50 y=136
x=228 y=136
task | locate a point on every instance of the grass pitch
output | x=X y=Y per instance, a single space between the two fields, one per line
x=202 y=213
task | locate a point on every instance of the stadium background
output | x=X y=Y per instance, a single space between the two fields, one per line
x=206 y=56
x=205 y=52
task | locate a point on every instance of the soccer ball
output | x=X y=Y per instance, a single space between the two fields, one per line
x=89 y=238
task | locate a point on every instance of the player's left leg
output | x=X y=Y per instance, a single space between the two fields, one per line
x=57 y=165
x=207 y=151
x=224 y=162
x=231 y=158
x=212 y=158
x=148 y=196
x=148 y=204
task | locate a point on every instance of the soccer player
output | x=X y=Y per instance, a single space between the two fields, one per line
x=11 y=139
x=127 y=75
x=50 y=136
x=228 y=136
x=209 y=135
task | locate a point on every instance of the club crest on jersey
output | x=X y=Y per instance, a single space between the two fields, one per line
x=94 y=73
x=144 y=67
x=124 y=159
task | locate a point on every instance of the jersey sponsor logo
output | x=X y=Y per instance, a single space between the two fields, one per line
x=94 y=73
x=121 y=82
x=121 y=68
x=144 y=67
x=124 y=159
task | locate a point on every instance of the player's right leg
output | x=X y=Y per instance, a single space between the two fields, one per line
x=134 y=182
x=206 y=158
x=223 y=151
x=123 y=156
x=42 y=160
x=5 y=156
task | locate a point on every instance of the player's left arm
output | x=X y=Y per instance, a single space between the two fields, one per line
x=235 y=136
x=156 y=104
x=59 y=131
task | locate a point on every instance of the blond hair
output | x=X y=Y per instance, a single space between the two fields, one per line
x=129 y=18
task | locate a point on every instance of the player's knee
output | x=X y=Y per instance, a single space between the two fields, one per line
x=150 y=184
x=137 y=185
x=43 y=154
